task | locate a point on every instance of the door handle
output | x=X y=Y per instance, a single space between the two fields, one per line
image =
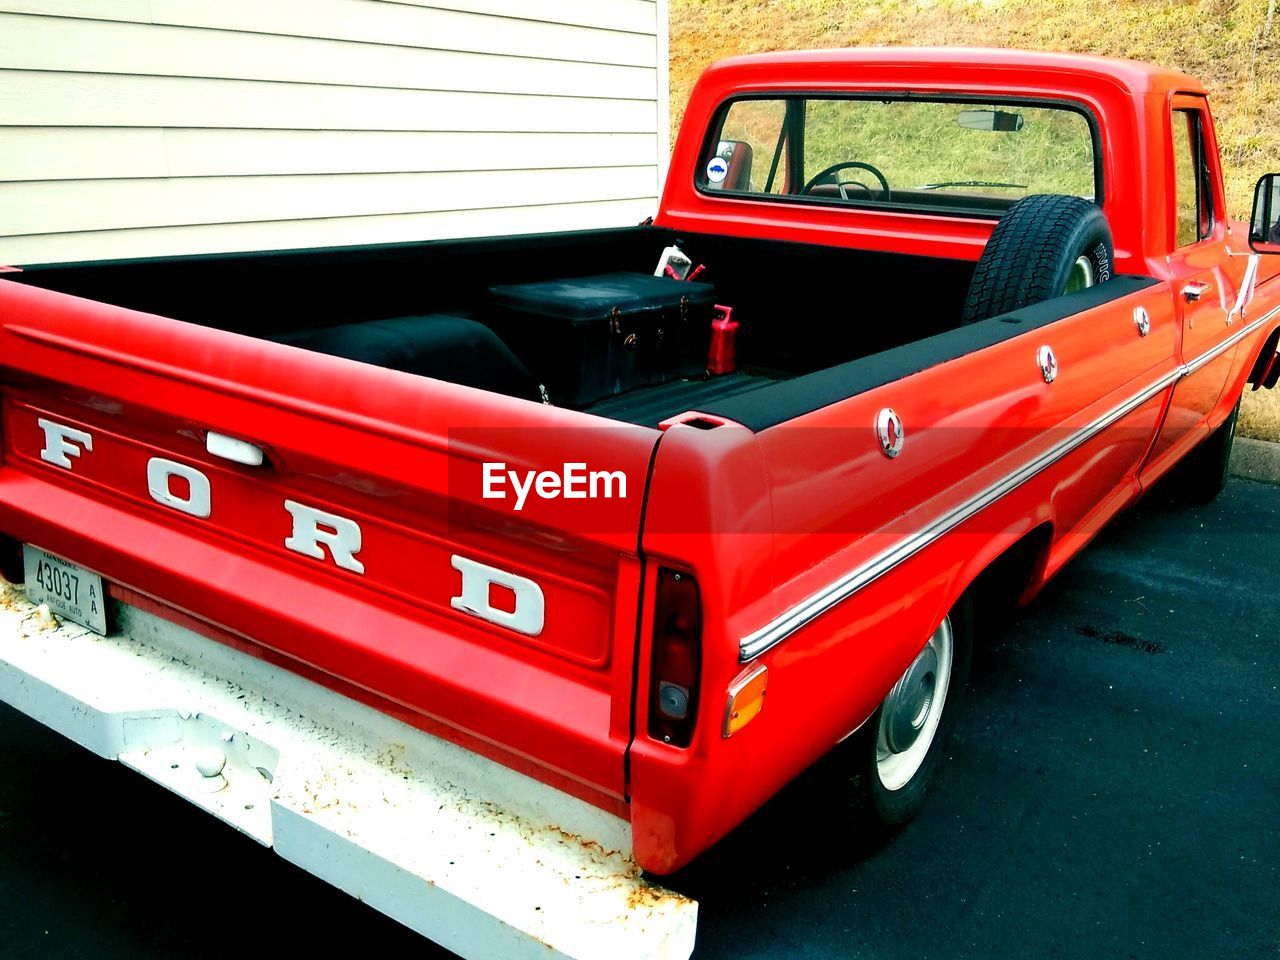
x=1194 y=290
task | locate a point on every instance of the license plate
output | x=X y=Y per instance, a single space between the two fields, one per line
x=70 y=590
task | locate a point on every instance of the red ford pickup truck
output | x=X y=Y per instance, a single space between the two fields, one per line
x=487 y=578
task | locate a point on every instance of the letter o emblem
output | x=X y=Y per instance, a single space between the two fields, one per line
x=160 y=473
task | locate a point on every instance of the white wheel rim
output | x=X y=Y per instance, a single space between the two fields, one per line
x=911 y=712
x=1081 y=275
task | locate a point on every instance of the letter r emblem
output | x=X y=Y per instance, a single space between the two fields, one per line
x=312 y=527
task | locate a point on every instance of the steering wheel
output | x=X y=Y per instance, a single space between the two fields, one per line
x=848 y=165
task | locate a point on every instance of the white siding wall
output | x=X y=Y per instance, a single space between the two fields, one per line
x=134 y=128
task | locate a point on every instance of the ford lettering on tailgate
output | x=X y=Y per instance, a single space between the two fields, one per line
x=232 y=503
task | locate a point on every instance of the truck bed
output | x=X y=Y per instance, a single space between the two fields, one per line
x=795 y=302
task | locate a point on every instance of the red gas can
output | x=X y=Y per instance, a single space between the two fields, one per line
x=722 y=356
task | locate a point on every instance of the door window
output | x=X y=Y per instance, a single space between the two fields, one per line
x=1192 y=192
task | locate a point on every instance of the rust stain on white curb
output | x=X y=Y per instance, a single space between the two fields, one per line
x=475 y=856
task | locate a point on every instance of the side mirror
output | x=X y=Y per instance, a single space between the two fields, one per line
x=737 y=157
x=1264 y=225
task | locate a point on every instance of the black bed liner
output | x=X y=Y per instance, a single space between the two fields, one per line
x=650 y=406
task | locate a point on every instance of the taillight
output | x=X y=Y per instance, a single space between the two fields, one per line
x=676 y=666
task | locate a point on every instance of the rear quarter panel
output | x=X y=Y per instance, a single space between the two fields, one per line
x=836 y=502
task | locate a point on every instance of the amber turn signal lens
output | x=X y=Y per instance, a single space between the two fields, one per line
x=746 y=700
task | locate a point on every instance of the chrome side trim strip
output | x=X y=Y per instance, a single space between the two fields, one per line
x=781 y=627
x=1216 y=351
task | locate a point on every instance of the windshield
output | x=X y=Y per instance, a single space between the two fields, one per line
x=959 y=156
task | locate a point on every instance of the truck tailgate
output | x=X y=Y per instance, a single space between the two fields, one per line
x=398 y=457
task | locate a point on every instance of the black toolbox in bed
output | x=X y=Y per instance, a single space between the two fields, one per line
x=593 y=337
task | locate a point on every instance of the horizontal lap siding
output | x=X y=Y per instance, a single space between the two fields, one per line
x=289 y=234
x=111 y=100
x=87 y=46
x=73 y=206
x=88 y=153
x=155 y=127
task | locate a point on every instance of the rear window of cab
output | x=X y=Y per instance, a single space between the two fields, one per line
x=937 y=156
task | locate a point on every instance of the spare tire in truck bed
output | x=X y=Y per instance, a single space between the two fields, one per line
x=1044 y=246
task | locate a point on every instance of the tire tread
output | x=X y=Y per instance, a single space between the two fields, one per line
x=1019 y=264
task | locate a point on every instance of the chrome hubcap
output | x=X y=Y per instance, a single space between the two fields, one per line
x=1081 y=275
x=907 y=705
x=910 y=713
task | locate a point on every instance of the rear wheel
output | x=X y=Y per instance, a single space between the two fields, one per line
x=897 y=750
x=1202 y=474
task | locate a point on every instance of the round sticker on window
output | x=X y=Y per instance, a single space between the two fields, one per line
x=717 y=169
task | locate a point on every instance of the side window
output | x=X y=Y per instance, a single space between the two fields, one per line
x=1193 y=191
x=751 y=155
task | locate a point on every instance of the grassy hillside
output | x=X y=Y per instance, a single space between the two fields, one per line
x=1226 y=43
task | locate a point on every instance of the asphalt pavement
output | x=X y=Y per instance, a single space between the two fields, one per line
x=1112 y=790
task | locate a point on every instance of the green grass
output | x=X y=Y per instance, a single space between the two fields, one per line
x=1226 y=43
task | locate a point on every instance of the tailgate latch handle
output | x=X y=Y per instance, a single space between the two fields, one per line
x=237 y=451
